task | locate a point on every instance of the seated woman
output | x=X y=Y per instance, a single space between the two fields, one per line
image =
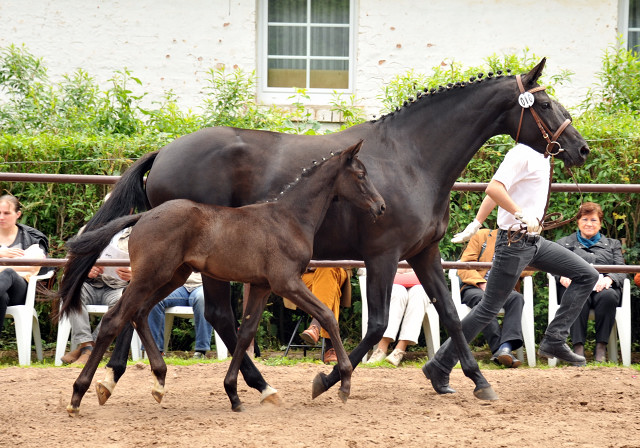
x=408 y=307
x=595 y=248
x=17 y=241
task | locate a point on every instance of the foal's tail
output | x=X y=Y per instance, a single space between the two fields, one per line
x=84 y=250
x=127 y=196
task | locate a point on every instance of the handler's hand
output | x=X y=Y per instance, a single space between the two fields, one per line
x=467 y=233
x=533 y=224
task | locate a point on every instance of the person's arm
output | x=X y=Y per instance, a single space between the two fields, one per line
x=471 y=253
x=617 y=279
x=498 y=192
x=472 y=228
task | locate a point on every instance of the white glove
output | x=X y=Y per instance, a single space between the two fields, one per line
x=467 y=233
x=531 y=222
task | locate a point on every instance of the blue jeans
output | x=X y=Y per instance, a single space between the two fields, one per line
x=182 y=297
x=509 y=261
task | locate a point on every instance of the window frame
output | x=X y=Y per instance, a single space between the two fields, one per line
x=282 y=95
x=623 y=23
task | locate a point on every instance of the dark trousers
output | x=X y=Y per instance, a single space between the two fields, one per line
x=509 y=261
x=511 y=330
x=13 y=291
x=604 y=305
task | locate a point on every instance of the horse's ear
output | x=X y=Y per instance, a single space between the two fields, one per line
x=352 y=151
x=535 y=73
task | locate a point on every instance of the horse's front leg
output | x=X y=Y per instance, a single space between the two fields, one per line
x=299 y=294
x=380 y=273
x=116 y=366
x=256 y=302
x=428 y=268
x=112 y=323
x=219 y=312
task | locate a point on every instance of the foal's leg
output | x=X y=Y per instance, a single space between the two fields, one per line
x=256 y=302
x=116 y=366
x=219 y=312
x=112 y=323
x=296 y=291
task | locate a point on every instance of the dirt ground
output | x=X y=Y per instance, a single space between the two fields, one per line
x=388 y=407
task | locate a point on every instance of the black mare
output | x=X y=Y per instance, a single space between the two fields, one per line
x=413 y=156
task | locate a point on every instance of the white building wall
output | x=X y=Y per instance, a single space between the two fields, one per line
x=171 y=44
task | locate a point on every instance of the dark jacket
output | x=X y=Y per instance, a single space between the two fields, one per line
x=605 y=251
x=29 y=236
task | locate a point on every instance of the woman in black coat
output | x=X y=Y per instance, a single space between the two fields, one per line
x=595 y=248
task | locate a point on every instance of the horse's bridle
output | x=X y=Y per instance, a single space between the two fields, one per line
x=526 y=101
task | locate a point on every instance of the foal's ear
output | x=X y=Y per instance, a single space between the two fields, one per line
x=352 y=151
x=535 y=73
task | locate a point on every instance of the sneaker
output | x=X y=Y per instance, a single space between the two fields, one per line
x=311 y=335
x=330 y=356
x=377 y=356
x=198 y=355
x=396 y=356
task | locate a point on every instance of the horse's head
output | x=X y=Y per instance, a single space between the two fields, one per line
x=543 y=124
x=354 y=185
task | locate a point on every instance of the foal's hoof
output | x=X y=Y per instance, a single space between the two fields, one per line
x=319 y=385
x=439 y=379
x=73 y=411
x=485 y=393
x=270 y=396
x=157 y=395
x=343 y=396
x=239 y=408
x=102 y=391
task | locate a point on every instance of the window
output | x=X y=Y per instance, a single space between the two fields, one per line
x=305 y=44
x=630 y=23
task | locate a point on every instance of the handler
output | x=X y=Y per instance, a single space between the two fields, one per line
x=519 y=187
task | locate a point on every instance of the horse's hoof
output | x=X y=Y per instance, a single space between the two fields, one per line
x=158 y=395
x=439 y=379
x=318 y=386
x=102 y=391
x=270 y=396
x=73 y=411
x=485 y=393
x=239 y=408
x=343 y=396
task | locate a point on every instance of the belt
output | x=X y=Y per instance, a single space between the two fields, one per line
x=531 y=238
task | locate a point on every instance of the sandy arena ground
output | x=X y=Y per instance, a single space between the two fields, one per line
x=388 y=407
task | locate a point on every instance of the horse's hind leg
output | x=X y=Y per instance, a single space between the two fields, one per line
x=116 y=366
x=219 y=312
x=253 y=313
x=112 y=323
x=158 y=366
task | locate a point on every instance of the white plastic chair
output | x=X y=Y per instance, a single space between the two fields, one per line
x=26 y=322
x=430 y=324
x=187 y=313
x=622 y=323
x=528 y=329
x=64 y=331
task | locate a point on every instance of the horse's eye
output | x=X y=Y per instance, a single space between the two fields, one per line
x=361 y=176
x=546 y=105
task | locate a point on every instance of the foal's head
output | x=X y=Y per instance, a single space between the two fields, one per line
x=354 y=185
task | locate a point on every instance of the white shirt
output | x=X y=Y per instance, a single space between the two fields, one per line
x=525 y=174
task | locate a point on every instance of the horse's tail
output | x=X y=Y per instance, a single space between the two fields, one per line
x=127 y=196
x=84 y=250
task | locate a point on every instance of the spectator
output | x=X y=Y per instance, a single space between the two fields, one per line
x=502 y=340
x=103 y=286
x=589 y=244
x=17 y=241
x=333 y=288
x=406 y=312
x=190 y=294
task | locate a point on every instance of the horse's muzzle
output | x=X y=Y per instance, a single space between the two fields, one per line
x=377 y=209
